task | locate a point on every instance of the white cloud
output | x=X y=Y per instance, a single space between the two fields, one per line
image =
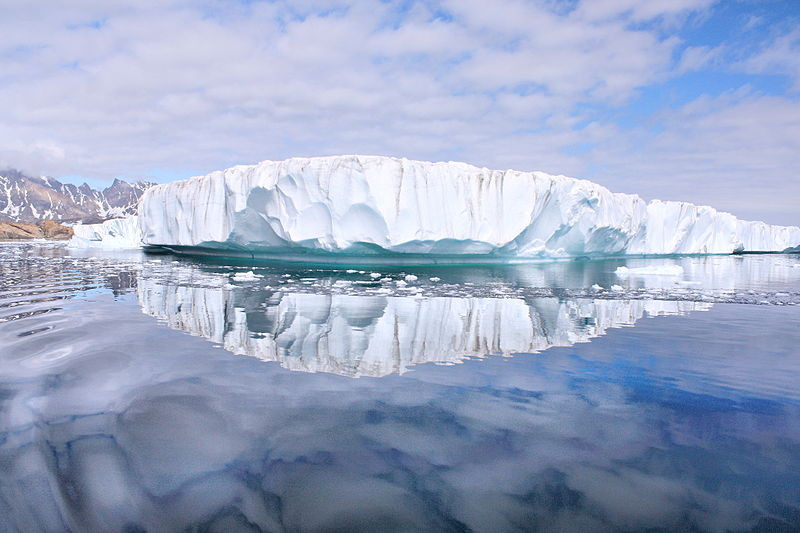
x=781 y=56
x=738 y=152
x=121 y=89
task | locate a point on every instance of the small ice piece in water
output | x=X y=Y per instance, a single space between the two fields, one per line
x=351 y=271
x=411 y=277
x=400 y=283
x=617 y=288
x=245 y=276
x=286 y=276
x=435 y=279
x=375 y=275
x=386 y=280
x=654 y=270
x=597 y=287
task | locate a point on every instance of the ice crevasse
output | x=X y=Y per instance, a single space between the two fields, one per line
x=372 y=206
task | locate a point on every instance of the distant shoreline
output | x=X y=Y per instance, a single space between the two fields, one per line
x=46 y=229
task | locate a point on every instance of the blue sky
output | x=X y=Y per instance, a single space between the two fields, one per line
x=677 y=99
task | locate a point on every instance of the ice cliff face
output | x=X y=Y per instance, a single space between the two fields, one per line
x=364 y=205
x=114 y=234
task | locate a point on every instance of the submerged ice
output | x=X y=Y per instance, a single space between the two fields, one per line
x=370 y=206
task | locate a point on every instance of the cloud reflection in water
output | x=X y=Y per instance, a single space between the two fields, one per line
x=678 y=423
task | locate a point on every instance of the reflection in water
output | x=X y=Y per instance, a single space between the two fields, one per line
x=110 y=421
x=379 y=335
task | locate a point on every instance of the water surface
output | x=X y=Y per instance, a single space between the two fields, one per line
x=160 y=394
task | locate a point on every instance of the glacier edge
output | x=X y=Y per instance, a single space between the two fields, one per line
x=322 y=208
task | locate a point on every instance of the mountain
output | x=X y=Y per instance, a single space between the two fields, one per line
x=33 y=199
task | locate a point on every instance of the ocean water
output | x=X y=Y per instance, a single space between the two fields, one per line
x=157 y=393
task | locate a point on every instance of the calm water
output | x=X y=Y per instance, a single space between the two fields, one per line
x=159 y=394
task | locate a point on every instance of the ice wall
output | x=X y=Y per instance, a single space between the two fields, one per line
x=115 y=233
x=370 y=204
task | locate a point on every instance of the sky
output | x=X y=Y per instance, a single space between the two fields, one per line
x=691 y=100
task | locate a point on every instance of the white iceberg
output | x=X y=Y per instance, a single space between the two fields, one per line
x=371 y=206
x=653 y=270
x=117 y=233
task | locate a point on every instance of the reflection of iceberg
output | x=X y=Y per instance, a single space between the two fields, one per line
x=674 y=425
x=366 y=206
x=379 y=335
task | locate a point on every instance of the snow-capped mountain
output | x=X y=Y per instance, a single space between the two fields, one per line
x=33 y=199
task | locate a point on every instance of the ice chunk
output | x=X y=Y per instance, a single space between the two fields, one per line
x=652 y=270
x=246 y=276
x=117 y=233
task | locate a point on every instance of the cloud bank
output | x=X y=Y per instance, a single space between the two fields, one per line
x=653 y=98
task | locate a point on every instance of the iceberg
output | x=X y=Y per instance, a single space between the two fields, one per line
x=655 y=270
x=335 y=209
x=116 y=233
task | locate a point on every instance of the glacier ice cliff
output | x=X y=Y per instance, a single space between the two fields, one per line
x=113 y=234
x=370 y=206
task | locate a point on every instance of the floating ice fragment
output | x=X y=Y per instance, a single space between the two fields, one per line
x=375 y=275
x=617 y=288
x=435 y=279
x=653 y=270
x=411 y=277
x=246 y=276
x=597 y=287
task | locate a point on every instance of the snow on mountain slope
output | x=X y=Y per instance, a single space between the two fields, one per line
x=365 y=205
x=31 y=199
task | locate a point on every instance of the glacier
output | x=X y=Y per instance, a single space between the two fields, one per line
x=364 y=208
